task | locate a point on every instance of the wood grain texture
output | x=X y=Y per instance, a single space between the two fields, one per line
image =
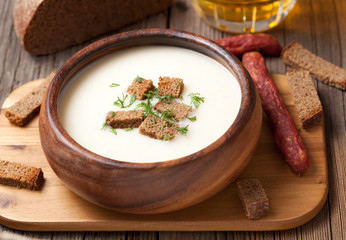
x=319 y=25
x=293 y=200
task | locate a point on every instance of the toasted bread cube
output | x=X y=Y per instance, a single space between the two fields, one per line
x=180 y=110
x=139 y=87
x=253 y=198
x=125 y=119
x=21 y=176
x=158 y=128
x=170 y=86
x=23 y=111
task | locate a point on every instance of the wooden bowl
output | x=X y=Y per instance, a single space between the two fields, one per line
x=158 y=187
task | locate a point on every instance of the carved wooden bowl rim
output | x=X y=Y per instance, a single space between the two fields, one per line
x=144 y=37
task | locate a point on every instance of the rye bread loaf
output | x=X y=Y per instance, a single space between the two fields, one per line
x=253 y=198
x=48 y=26
x=305 y=96
x=21 y=176
x=21 y=112
x=296 y=56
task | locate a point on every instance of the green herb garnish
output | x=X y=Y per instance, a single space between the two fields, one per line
x=121 y=101
x=104 y=125
x=147 y=108
x=196 y=100
x=112 y=114
x=113 y=131
x=168 y=115
x=138 y=79
x=192 y=119
x=183 y=130
x=128 y=129
x=165 y=138
x=114 y=85
x=178 y=84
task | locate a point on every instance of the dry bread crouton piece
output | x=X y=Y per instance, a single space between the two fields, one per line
x=170 y=86
x=21 y=176
x=305 y=96
x=21 y=112
x=157 y=128
x=179 y=110
x=295 y=55
x=253 y=198
x=139 y=87
x=125 y=119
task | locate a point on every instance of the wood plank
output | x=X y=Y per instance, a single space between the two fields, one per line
x=293 y=200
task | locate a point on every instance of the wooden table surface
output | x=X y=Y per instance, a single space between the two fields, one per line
x=319 y=25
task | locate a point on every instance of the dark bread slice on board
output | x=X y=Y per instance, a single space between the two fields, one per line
x=306 y=100
x=296 y=56
x=22 y=111
x=21 y=176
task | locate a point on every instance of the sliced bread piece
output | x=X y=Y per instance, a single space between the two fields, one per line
x=170 y=86
x=48 y=26
x=305 y=96
x=21 y=112
x=253 y=198
x=295 y=55
x=158 y=128
x=179 y=110
x=21 y=176
x=139 y=87
x=125 y=119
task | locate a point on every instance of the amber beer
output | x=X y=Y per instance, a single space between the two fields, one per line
x=239 y=16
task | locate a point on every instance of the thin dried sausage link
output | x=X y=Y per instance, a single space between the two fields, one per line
x=286 y=135
x=243 y=43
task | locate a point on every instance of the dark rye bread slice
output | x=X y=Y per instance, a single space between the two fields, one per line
x=125 y=119
x=139 y=87
x=253 y=198
x=157 y=128
x=180 y=111
x=48 y=26
x=305 y=96
x=21 y=112
x=295 y=55
x=21 y=176
x=170 y=86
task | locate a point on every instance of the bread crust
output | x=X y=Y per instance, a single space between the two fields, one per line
x=48 y=26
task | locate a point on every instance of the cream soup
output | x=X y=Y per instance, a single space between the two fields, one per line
x=88 y=97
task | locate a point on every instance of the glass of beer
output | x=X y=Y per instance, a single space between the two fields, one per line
x=239 y=16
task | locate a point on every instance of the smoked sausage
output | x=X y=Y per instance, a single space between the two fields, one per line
x=243 y=43
x=286 y=134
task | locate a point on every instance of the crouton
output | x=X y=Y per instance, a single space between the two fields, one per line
x=179 y=110
x=139 y=87
x=125 y=119
x=158 y=128
x=170 y=86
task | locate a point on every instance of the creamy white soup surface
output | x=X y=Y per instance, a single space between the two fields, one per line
x=88 y=97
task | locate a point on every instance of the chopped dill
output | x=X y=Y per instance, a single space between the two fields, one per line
x=112 y=130
x=183 y=130
x=128 y=129
x=112 y=114
x=161 y=127
x=147 y=108
x=196 y=99
x=114 y=85
x=178 y=84
x=165 y=138
x=104 y=126
x=192 y=119
x=138 y=79
x=168 y=115
x=121 y=101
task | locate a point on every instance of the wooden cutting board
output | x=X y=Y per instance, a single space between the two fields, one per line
x=293 y=200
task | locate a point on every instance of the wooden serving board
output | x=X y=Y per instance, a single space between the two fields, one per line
x=293 y=200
